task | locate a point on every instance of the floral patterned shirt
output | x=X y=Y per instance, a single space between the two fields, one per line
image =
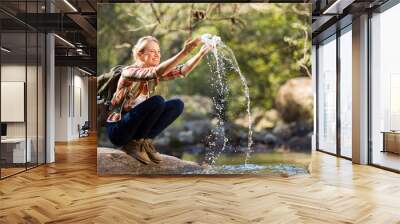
x=135 y=85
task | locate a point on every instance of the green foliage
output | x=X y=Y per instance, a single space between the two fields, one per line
x=272 y=43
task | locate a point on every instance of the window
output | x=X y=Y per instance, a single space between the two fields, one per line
x=22 y=76
x=327 y=95
x=346 y=92
x=385 y=88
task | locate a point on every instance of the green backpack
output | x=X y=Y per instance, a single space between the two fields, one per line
x=106 y=85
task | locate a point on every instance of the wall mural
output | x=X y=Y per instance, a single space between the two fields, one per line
x=204 y=88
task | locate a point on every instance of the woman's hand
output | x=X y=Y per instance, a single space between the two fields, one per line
x=190 y=45
x=205 y=49
x=195 y=60
x=172 y=62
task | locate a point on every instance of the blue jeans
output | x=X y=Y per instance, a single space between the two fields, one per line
x=146 y=120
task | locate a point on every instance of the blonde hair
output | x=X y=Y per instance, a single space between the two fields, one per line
x=141 y=44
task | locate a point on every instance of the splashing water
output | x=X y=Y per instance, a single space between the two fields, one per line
x=247 y=94
x=225 y=58
x=222 y=90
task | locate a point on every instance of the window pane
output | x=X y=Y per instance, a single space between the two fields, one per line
x=327 y=96
x=385 y=88
x=31 y=98
x=345 y=93
x=41 y=99
x=14 y=153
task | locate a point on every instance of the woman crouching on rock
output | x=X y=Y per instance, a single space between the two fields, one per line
x=136 y=118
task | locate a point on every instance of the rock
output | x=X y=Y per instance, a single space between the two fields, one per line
x=243 y=135
x=112 y=161
x=258 y=137
x=294 y=100
x=301 y=144
x=162 y=140
x=302 y=128
x=102 y=138
x=235 y=132
x=199 y=128
x=286 y=131
x=270 y=139
x=196 y=106
x=263 y=124
x=261 y=119
x=243 y=121
x=168 y=136
x=174 y=148
x=282 y=130
x=195 y=149
x=265 y=119
x=186 y=137
x=261 y=148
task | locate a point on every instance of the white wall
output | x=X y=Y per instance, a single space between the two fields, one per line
x=79 y=99
x=70 y=83
x=61 y=103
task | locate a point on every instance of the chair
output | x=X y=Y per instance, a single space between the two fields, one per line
x=84 y=130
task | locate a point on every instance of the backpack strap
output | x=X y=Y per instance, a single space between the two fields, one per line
x=108 y=82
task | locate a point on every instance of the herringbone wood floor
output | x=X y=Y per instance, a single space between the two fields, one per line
x=70 y=191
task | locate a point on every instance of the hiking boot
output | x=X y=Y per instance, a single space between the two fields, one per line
x=151 y=151
x=137 y=149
